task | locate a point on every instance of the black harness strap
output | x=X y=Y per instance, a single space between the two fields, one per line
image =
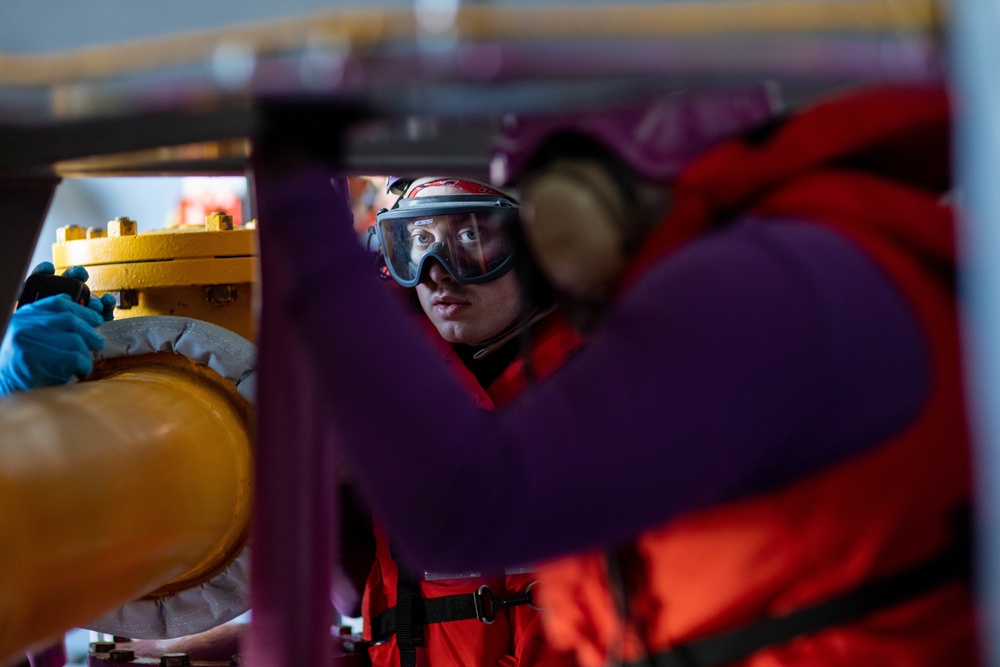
x=742 y=642
x=481 y=605
x=409 y=621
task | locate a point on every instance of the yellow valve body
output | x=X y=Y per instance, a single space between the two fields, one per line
x=204 y=275
x=135 y=484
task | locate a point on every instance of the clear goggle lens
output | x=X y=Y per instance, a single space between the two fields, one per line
x=472 y=246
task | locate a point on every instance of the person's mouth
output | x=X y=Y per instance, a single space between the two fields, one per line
x=448 y=306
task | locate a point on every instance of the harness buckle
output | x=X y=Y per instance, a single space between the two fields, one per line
x=488 y=605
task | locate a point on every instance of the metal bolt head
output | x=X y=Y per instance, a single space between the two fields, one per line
x=219 y=295
x=126 y=298
x=121 y=655
x=218 y=221
x=96 y=233
x=101 y=647
x=121 y=227
x=174 y=660
x=70 y=233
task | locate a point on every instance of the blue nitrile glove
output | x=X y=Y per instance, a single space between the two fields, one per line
x=104 y=305
x=47 y=343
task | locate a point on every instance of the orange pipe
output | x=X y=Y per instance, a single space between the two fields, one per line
x=110 y=490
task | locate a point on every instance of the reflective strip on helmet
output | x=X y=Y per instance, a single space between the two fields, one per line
x=468 y=187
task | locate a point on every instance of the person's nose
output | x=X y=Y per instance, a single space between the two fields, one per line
x=437 y=273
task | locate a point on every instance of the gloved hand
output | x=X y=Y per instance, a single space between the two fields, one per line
x=50 y=341
x=104 y=305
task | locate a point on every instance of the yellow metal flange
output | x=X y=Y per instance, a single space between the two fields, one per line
x=205 y=273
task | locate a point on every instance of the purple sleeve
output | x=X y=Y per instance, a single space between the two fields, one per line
x=750 y=358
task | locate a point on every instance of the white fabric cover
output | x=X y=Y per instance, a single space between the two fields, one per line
x=227 y=595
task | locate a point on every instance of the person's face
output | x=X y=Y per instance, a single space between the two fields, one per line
x=468 y=313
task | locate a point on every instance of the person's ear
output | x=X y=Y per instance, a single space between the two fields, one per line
x=573 y=218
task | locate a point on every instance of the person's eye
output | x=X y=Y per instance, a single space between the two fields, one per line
x=468 y=235
x=420 y=238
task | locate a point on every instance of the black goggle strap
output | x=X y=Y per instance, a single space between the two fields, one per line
x=375 y=246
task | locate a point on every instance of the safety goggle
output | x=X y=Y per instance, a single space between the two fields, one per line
x=465 y=234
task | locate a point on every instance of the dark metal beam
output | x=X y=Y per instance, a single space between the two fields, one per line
x=24 y=203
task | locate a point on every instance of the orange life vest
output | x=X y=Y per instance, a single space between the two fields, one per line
x=872 y=166
x=514 y=634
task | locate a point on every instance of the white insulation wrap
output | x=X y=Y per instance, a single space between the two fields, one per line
x=226 y=595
